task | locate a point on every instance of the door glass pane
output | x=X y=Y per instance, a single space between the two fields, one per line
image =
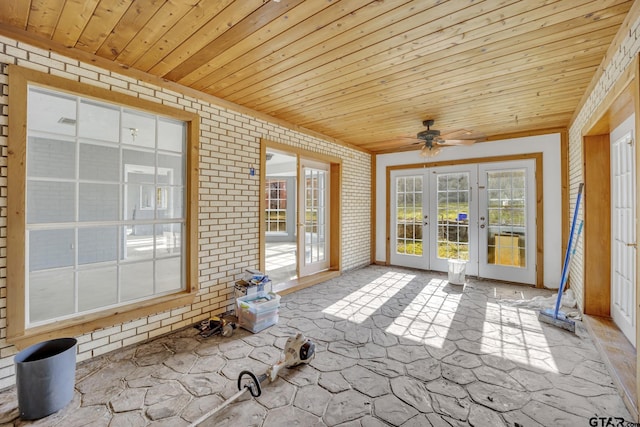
x=453 y=215
x=506 y=218
x=276 y=203
x=409 y=215
x=315 y=211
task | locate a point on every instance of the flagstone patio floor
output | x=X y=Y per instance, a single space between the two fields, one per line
x=394 y=346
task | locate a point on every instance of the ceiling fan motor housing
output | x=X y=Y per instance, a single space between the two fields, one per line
x=428 y=134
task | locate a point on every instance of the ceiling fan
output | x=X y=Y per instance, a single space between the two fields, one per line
x=433 y=141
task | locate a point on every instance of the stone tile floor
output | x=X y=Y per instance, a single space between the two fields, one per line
x=394 y=347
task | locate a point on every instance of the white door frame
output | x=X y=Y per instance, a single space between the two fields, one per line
x=478 y=264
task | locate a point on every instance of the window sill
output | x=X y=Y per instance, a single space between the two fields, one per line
x=88 y=323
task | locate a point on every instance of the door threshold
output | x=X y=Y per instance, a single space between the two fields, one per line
x=619 y=356
x=294 y=285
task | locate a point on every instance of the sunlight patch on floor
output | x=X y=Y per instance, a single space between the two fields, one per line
x=280 y=256
x=361 y=304
x=515 y=334
x=427 y=318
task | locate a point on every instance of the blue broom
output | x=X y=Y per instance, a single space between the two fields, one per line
x=556 y=317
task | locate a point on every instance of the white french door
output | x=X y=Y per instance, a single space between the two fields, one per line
x=452 y=190
x=623 y=229
x=507 y=223
x=410 y=218
x=480 y=213
x=313 y=217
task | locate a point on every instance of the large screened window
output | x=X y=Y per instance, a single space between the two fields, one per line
x=105 y=205
x=106 y=223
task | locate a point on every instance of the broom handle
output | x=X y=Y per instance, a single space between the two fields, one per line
x=567 y=256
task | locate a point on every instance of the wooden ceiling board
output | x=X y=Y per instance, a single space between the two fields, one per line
x=162 y=21
x=102 y=21
x=297 y=51
x=388 y=50
x=368 y=66
x=268 y=13
x=464 y=92
x=226 y=20
x=237 y=44
x=301 y=21
x=15 y=13
x=412 y=72
x=240 y=60
x=458 y=79
x=43 y=17
x=188 y=25
x=376 y=122
x=411 y=118
x=73 y=18
x=358 y=44
x=365 y=72
x=372 y=102
x=134 y=20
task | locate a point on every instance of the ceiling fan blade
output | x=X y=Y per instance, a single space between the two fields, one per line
x=458 y=134
x=457 y=142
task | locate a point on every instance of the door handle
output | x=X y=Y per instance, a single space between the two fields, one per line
x=481 y=225
x=632 y=245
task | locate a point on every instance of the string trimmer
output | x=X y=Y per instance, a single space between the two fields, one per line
x=297 y=350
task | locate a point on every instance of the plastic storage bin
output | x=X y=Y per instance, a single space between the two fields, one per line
x=263 y=324
x=457 y=270
x=258 y=311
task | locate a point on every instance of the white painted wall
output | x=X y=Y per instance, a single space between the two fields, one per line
x=548 y=145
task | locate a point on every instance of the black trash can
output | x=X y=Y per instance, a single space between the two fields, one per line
x=45 y=377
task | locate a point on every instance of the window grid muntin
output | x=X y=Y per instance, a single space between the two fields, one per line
x=277 y=224
x=315 y=210
x=119 y=222
x=453 y=197
x=507 y=217
x=409 y=215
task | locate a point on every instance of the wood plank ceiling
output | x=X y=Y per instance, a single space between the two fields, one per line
x=361 y=71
